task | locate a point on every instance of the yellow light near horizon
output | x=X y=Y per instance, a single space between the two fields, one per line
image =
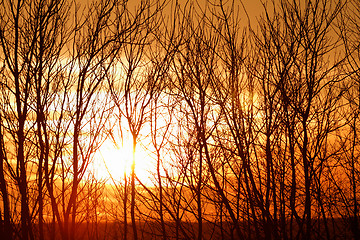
x=114 y=162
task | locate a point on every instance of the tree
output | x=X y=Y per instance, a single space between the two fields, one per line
x=134 y=88
x=349 y=32
x=299 y=73
x=30 y=49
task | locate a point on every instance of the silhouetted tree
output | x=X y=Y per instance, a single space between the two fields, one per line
x=300 y=79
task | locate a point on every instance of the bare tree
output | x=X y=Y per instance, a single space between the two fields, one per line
x=6 y=223
x=30 y=49
x=134 y=88
x=253 y=129
x=300 y=79
x=349 y=31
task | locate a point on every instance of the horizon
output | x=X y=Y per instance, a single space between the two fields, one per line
x=168 y=119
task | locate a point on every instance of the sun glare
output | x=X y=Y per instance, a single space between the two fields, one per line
x=114 y=162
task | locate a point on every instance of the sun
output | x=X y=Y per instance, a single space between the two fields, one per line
x=113 y=162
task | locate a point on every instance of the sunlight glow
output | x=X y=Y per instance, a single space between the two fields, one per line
x=112 y=162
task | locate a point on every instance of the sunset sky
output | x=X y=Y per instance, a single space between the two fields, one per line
x=191 y=120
